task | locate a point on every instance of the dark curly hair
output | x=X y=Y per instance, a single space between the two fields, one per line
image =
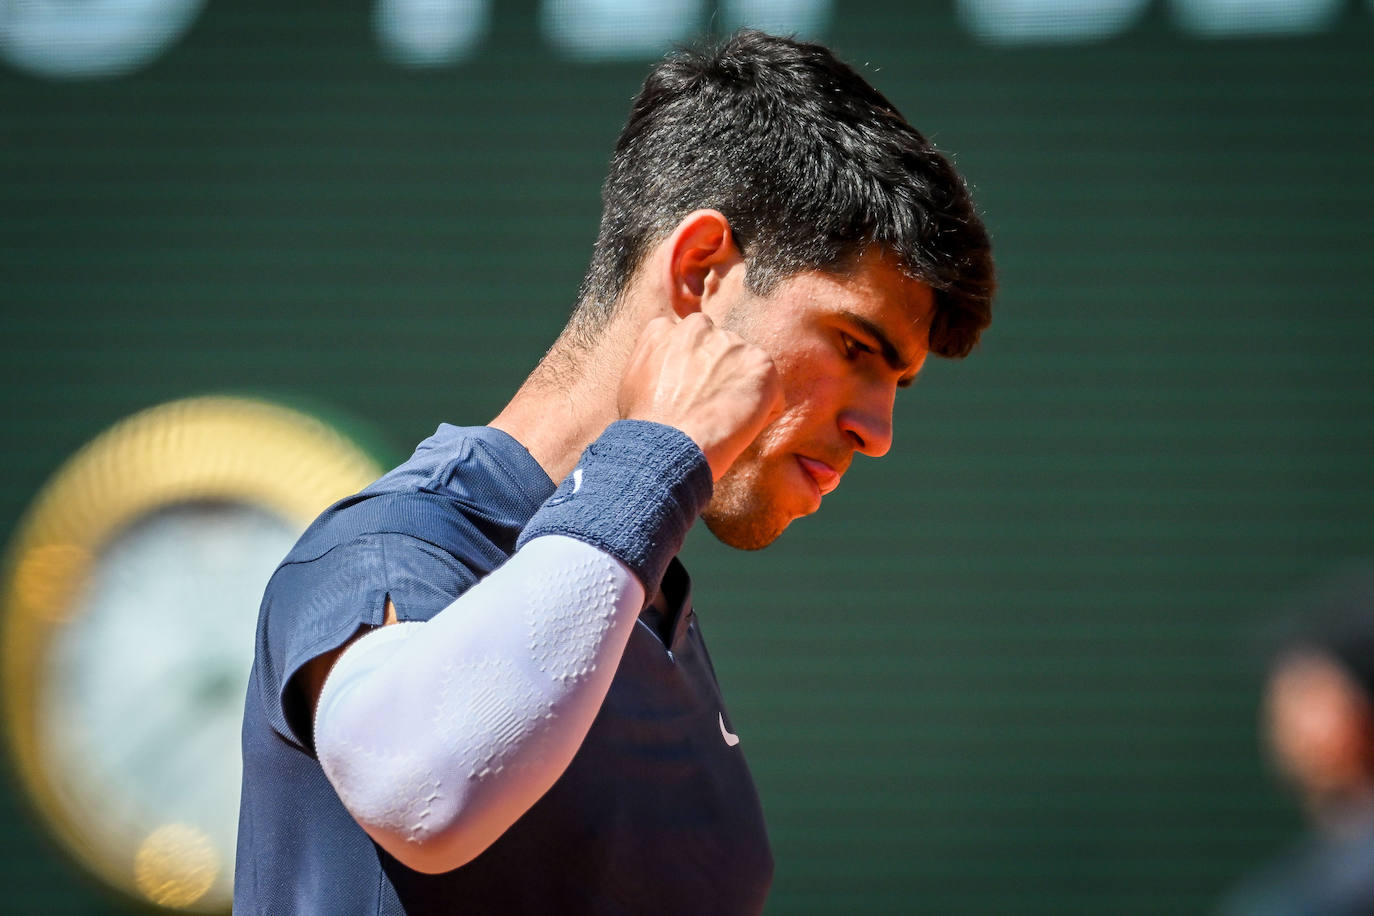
x=811 y=166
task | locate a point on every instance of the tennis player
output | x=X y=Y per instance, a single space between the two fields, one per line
x=481 y=684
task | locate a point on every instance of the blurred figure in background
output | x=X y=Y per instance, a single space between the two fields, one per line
x=1318 y=717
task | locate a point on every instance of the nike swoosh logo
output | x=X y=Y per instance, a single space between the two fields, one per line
x=730 y=740
x=577 y=480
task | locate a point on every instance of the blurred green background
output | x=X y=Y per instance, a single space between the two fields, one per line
x=1008 y=668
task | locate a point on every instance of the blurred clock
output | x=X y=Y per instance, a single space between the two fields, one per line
x=129 y=608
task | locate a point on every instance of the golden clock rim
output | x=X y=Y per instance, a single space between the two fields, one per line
x=227 y=448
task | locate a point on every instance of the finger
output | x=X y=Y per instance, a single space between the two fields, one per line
x=697 y=326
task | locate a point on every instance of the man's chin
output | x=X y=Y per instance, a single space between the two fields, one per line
x=743 y=532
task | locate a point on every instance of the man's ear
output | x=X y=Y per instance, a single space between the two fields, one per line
x=700 y=252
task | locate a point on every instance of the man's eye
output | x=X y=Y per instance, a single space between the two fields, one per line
x=852 y=347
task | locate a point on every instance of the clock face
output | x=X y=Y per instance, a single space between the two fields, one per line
x=128 y=615
x=143 y=701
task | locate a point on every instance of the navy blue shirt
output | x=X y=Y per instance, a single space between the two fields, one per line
x=657 y=812
x=1328 y=874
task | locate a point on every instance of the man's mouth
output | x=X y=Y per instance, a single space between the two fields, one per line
x=826 y=477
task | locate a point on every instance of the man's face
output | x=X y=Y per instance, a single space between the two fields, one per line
x=843 y=345
x=1318 y=724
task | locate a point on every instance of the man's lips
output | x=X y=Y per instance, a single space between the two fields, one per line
x=826 y=477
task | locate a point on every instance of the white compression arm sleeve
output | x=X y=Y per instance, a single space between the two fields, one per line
x=437 y=736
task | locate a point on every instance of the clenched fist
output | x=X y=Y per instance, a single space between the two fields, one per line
x=706 y=381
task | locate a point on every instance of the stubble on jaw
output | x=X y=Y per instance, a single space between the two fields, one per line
x=741 y=531
x=740 y=514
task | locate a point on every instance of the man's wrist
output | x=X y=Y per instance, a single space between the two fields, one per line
x=635 y=493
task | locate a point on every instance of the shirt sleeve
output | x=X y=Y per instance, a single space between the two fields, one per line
x=313 y=606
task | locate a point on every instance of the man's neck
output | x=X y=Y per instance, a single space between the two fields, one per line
x=566 y=402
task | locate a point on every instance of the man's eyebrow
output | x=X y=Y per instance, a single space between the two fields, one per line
x=894 y=359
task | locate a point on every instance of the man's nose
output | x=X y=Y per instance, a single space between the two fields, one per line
x=869 y=427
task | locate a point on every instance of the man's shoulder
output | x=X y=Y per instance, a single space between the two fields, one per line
x=393 y=526
x=474 y=464
x=460 y=483
x=1316 y=874
x=435 y=458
